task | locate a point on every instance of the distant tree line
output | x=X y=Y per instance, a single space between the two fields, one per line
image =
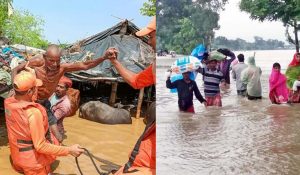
x=240 y=44
x=183 y=24
x=286 y=11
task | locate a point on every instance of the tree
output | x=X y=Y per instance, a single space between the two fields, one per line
x=220 y=41
x=149 y=8
x=286 y=11
x=259 y=43
x=240 y=44
x=183 y=24
x=182 y=37
x=24 y=28
x=3 y=13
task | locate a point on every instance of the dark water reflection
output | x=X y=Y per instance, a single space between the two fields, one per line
x=242 y=137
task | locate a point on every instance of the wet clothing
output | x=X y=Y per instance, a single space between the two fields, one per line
x=214 y=100
x=212 y=80
x=191 y=109
x=251 y=77
x=293 y=71
x=236 y=75
x=60 y=108
x=143 y=79
x=242 y=92
x=185 y=92
x=27 y=126
x=225 y=68
x=278 y=90
x=294 y=96
x=253 y=98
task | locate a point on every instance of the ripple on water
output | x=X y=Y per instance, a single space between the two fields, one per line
x=242 y=137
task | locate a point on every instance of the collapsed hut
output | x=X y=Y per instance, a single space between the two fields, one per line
x=10 y=57
x=104 y=82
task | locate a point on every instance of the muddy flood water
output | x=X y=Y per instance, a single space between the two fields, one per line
x=242 y=137
x=110 y=145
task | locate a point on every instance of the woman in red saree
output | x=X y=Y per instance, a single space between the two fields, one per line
x=278 y=89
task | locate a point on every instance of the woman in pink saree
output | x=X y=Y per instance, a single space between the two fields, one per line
x=278 y=89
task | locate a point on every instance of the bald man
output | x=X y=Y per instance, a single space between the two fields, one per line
x=48 y=69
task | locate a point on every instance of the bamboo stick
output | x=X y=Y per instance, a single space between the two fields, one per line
x=140 y=101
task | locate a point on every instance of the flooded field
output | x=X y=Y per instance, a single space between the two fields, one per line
x=242 y=137
x=109 y=144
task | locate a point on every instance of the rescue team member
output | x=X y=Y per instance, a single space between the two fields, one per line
x=146 y=77
x=143 y=157
x=48 y=68
x=27 y=125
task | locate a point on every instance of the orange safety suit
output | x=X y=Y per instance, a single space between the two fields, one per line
x=143 y=79
x=145 y=161
x=27 y=126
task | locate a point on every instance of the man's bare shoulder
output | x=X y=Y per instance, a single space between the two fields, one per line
x=37 y=60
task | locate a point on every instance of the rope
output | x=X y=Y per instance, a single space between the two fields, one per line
x=99 y=172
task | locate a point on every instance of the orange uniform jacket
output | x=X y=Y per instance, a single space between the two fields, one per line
x=147 y=151
x=145 y=160
x=27 y=125
x=143 y=79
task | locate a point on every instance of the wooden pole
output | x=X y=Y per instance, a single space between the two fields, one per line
x=140 y=101
x=113 y=94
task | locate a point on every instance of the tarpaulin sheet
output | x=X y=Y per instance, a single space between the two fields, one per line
x=134 y=53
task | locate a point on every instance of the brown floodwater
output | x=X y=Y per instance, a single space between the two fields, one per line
x=242 y=137
x=109 y=144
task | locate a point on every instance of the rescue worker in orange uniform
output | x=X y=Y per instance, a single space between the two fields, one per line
x=142 y=159
x=28 y=129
